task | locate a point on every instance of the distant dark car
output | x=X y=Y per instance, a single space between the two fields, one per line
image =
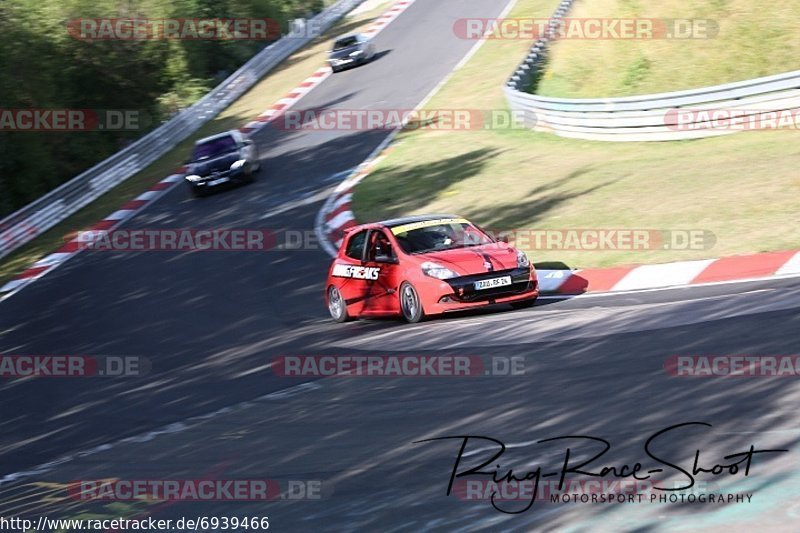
x=223 y=158
x=350 y=51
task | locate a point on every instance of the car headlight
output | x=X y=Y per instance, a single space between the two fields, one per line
x=522 y=260
x=435 y=270
x=356 y=53
x=193 y=178
x=238 y=164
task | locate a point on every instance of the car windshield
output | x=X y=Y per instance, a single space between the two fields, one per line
x=345 y=42
x=419 y=238
x=213 y=148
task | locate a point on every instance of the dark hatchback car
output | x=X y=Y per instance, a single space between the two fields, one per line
x=350 y=51
x=221 y=159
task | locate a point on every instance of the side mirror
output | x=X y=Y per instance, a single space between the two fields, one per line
x=248 y=142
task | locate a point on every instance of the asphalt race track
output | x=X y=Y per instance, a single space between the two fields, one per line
x=207 y=318
x=210 y=323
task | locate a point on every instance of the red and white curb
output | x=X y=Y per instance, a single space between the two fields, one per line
x=287 y=101
x=68 y=250
x=75 y=245
x=669 y=275
x=376 y=27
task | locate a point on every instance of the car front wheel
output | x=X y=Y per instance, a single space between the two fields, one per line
x=410 y=304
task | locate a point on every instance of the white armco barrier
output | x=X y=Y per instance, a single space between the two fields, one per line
x=761 y=103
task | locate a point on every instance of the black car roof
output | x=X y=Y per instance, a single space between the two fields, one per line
x=415 y=218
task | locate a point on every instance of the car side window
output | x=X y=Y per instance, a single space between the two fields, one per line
x=379 y=246
x=355 y=246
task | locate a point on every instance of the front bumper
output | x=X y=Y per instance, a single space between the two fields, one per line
x=346 y=62
x=460 y=293
x=218 y=178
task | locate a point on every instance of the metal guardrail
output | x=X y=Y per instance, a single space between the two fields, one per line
x=40 y=215
x=668 y=116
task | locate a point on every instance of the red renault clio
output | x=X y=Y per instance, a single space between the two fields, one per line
x=425 y=265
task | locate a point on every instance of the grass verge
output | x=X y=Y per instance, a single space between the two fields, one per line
x=742 y=187
x=755 y=38
x=270 y=89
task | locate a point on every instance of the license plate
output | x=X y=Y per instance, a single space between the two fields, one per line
x=217 y=182
x=491 y=283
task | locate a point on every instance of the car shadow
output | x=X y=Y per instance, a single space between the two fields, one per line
x=381 y=54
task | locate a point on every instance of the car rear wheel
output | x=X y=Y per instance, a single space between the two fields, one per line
x=410 y=304
x=337 y=306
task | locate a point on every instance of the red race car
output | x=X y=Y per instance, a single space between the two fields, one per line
x=425 y=265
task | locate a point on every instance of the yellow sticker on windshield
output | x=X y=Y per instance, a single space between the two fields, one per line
x=405 y=228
